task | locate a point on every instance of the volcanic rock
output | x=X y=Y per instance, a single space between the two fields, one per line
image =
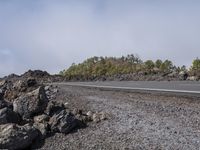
x=64 y=122
x=1 y=94
x=8 y=116
x=31 y=104
x=2 y=103
x=35 y=74
x=31 y=82
x=97 y=117
x=14 y=137
x=41 y=118
x=43 y=128
x=54 y=107
x=77 y=111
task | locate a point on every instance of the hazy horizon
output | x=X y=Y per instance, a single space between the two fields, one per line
x=51 y=35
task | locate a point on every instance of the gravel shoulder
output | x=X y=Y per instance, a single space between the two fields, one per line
x=135 y=121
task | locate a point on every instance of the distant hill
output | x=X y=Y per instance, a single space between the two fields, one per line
x=130 y=67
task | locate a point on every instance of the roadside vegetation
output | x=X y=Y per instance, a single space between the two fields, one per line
x=96 y=67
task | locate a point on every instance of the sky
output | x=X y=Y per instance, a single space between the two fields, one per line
x=52 y=34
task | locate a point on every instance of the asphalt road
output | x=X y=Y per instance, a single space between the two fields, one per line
x=184 y=87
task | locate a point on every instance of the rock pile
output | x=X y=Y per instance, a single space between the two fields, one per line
x=29 y=111
x=40 y=76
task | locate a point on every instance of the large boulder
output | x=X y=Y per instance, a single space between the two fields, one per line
x=54 y=107
x=31 y=104
x=14 y=137
x=64 y=122
x=8 y=116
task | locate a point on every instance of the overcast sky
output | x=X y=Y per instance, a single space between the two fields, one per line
x=52 y=34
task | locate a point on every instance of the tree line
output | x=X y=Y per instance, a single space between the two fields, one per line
x=109 y=66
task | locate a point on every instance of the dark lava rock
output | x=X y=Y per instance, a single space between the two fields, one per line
x=43 y=129
x=54 y=108
x=31 y=104
x=1 y=94
x=8 y=116
x=2 y=103
x=35 y=74
x=13 y=137
x=31 y=82
x=11 y=76
x=64 y=122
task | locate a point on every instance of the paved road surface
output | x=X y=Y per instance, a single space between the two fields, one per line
x=187 y=87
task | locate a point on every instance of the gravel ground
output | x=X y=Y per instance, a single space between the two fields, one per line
x=135 y=121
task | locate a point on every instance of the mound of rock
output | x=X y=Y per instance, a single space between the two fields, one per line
x=29 y=111
x=40 y=76
x=35 y=74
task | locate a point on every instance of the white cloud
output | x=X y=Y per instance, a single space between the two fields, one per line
x=51 y=35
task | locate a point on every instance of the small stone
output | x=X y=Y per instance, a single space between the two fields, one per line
x=55 y=90
x=89 y=114
x=76 y=111
x=47 y=93
x=102 y=116
x=82 y=118
x=47 y=88
x=2 y=82
x=96 y=118
x=41 y=118
x=66 y=104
